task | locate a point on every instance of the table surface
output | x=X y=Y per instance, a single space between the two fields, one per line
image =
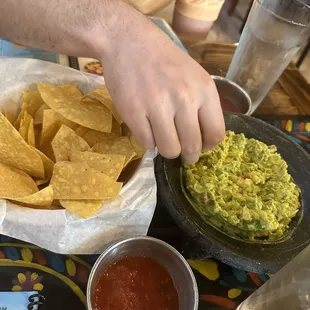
x=62 y=279
x=289 y=96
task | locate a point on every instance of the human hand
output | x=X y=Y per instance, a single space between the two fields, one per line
x=163 y=95
x=166 y=98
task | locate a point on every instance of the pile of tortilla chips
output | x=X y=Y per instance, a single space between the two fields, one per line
x=64 y=149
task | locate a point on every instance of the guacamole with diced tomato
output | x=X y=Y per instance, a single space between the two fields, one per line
x=243 y=187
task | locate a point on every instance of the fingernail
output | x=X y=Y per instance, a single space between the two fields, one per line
x=190 y=159
x=209 y=147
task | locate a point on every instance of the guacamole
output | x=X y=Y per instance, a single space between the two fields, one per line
x=243 y=187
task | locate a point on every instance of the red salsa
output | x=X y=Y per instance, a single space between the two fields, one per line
x=227 y=105
x=135 y=283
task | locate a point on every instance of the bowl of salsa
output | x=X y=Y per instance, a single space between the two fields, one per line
x=141 y=273
x=233 y=97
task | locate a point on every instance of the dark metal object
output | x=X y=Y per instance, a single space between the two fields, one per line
x=259 y=258
x=234 y=93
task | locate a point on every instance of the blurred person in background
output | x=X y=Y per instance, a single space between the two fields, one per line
x=192 y=19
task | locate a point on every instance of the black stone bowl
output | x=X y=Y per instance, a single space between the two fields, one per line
x=255 y=257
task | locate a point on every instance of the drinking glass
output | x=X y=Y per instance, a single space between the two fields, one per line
x=273 y=34
x=289 y=289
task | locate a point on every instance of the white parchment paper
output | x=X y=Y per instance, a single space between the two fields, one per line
x=60 y=231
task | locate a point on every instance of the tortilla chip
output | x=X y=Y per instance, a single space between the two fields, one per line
x=20 y=116
x=15 y=183
x=109 y=164
x=116 y=127
x=15 y=152
x=33 y=102
x=67 y=141
x=48 y=165
x=67 y=101
x=126 y=131
x=93 y=137
x=52 y=207
x=24 y=125
x=43 y=198
x=38 y=118
x=10 y=116
x=139 y=150
x=37 y=134
x=81 y=131
x=56 y=202
x=29 y=105
x=52 y=122
x=79 y=181
x=116 y=145
x=42 y=182
x=30 y=135
x=26 y=129
x=102 y=95
x=82 y=208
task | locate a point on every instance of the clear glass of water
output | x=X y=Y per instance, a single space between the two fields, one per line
x=274 y=32
x=289 y=289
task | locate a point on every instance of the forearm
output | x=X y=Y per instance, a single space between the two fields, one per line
x=190 y=30
x=79 y=28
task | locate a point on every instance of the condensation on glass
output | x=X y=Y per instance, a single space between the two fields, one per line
x=274 y=32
